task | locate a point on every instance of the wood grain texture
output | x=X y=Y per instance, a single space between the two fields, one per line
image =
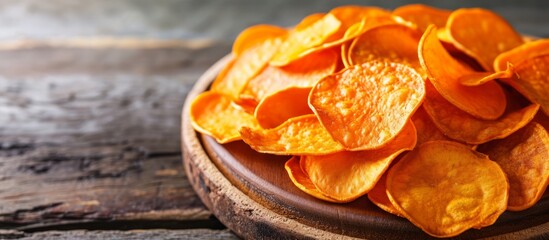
x=133 y=234
x=252 y=194
x=92 y=135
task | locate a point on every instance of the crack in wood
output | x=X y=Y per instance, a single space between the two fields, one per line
x=193 y=233
x=211 y=223
x=14 y=148
x=43 y=165
x=17 y=214
x=163 y=154
x=4 y=146
x=85 y=163
x=70 y=215
x=98 y=174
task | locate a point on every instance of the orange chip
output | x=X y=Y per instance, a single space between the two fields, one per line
x=479 y=78
x=458 y=55
x=347 y=175
x=422 y=15
x=245 y=104
x=532 y=80
x=221 y=78
x=275 y=109
x=486 y=101
x=213 y=114
x=446 y=188
x=303 y=72
x=392 y=43
x=246 y=65
x=255 y=35
x=443 y=36
x=352 y=17
x=309 y=20
x=351 y=14
x=352 y=32
x=482 y=34
x=424 y=127
x=302 y=181
x=360 y=27
x=465 y=128
x=378 y=196
x=365 y=106
x=304 y=37
x=532 y=67
x=303 y=135
x=521 y=53
x=523 y=156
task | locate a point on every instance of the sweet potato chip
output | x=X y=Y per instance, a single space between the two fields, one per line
x=378 y=196
x=213 y=114
x=302 y=181
x=304 y=37
x=348 y=175
x=486 y=101
x=422 y=15
x=352 y=32
x=303 y=72
x=443 y=36
x=392 y=43
x=446 y=188
x=523 y=52
x=255 y=35
x=458 y=55
x=424 y=127
x=360 y=27
x=303 y=135
x=246 y=105
x=365 y=106
x=351 y=14
x=524 y=157
x=531 y=61
x=479 y=78
x=465 y=128
x=532 y=80
x=246 y=65
x=309 y=20
x=482 y=34
x=275 y=109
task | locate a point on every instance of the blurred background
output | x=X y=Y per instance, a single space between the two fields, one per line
x=220 y=20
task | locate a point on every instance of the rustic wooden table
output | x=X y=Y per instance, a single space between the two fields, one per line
x=90 y=103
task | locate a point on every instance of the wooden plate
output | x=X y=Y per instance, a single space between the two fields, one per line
x=252 y=195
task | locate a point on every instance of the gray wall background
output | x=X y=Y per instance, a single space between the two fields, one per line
x=218 y=20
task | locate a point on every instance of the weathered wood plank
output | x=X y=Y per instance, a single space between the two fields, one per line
x=133 y=234
x=92 y=134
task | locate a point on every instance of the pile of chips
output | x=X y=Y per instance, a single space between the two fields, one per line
x=438 y=116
